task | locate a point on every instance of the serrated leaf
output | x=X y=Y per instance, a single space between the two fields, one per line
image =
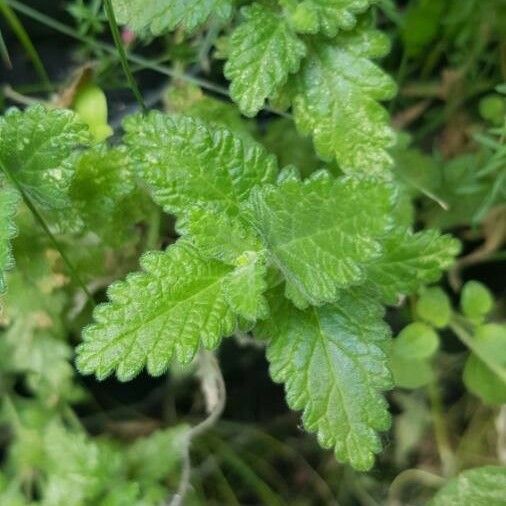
x=410 y=261
x=189 y=100
x=326 y=16
x=218 y=235
x=482 y=486
x=336 y=100
x=38 y=148
x=161 y=16
x=245 y=287
x=9 y=200
x=333 y=362
x=162 y=314
x=264 y=51
x=102 y=191
x=321 y=232
x=187 y=163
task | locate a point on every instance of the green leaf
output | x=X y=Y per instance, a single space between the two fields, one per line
x=333 y=362
x=264 y=51
x=434 y=307
x=161 y=16
x=162 y=314
x=282 y=139
x=9 y=200
x=245 y=287
x=325 y=16
x=218 y=235
x=476 y=300
x=38 y=148
x=187 y=163
x=478 y=377
x=410 y=261
x=410 y=373
x=189 y=100
x=321 y=232
x=416 y=341
x=336 y=101
x=482 y=486
x=102 y=191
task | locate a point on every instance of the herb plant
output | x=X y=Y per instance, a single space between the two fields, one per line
x=297 y=233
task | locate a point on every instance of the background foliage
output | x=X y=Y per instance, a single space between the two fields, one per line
x=409 y=92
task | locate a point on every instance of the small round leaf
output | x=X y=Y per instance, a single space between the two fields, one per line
x=476 y=300
x=416 y=341
x=434 y=307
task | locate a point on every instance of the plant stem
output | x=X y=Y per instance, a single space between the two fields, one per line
x=40 y=220
x=212 y=368
x=122 y=55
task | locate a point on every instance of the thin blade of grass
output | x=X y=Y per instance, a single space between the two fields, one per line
x=4 y=52
x=122 y=54
x=23 y=37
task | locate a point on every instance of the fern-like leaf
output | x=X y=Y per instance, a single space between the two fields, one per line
x=325 y=16
x=160 y=16
x=187 y=163
x=333 y=362
x=411 y=261
x=264 y=51
x=38 y=147
x=162 y=314
x=336 y=101
x=321 y=233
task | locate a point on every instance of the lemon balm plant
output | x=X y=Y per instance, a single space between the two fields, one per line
x=300 y=239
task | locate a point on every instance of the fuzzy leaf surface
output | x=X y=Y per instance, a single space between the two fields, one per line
x=161 y=16
x=164 y=313
x=264 y=51
x=103 y=186
x=218 y=235
x=326 y=16
x=38 y=149
x=187 y=163
x=321 y=232
x=337 y=101
x=410 y=261
x=245 y=288
x=333 y=362
x=8 y=205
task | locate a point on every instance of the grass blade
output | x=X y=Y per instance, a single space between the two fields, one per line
x=121 y=50
x=23 y=37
